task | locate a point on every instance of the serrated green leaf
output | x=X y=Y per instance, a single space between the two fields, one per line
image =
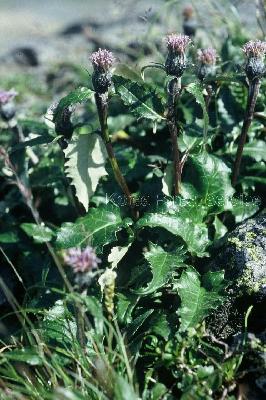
x=58 y=324
x=76 y=96
x=182 y=218
x=86 y=156
x=197 y=301
x=162 y=265
x=209 y=178
x=40 y=233
x=98 y=228
x=142 y=100
x=196 y=89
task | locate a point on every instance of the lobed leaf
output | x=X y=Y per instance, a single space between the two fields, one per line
x=162 y=265
x=197 y=300
x=209 y=180
x=182 y=218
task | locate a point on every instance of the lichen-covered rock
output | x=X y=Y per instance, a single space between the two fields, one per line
x=243 y=258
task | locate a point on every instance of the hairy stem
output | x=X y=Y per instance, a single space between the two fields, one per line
x=102 y=107
x=253 y=92
x=174 y=88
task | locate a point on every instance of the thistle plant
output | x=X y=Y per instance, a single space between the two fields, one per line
x=102 y=62
x=206 y=67
x=84 y=264
x=175 y=65
x=255 y=69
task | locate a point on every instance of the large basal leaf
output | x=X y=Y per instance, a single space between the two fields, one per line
x=162 y=265
x=209 y=178
x=182 y=218
x=198 y=299
x=142 y=100
x=86 y=156
x=98 y=228
x=76 y=96
x=195 y=89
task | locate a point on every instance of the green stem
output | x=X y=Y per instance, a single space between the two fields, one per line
x=80 y=320
x=174 y=88
x=102 y=107
x=254 y=87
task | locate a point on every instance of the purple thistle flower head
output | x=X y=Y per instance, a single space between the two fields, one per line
x=102 y=60
x=7 y=96
x=207 y=56
x=177 y=43
x=176 y=61
x=82 y=261
x=255 y=49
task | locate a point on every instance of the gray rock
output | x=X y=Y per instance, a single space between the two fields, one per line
x=243 y=258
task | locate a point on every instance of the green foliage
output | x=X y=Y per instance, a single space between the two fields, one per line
x=147 y=332
x=162 y=265
x=183 y=218
x=141 y=99
x=198 y=300
x=195 y=89
x=207 y=178
x=98 y=228
x=77 y=96
x=39 y=233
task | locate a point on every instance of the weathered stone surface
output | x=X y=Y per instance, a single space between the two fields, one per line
x=243 y=258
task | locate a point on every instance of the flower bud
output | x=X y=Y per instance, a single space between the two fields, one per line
x=102 y=62
x=176 y=61
x=7 y=108
x=255 y=52
x=207 y=60
x=189 y=24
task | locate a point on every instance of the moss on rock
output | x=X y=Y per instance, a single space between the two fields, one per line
x=243 y=258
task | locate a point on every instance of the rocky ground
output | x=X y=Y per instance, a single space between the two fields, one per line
x=38 y=24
